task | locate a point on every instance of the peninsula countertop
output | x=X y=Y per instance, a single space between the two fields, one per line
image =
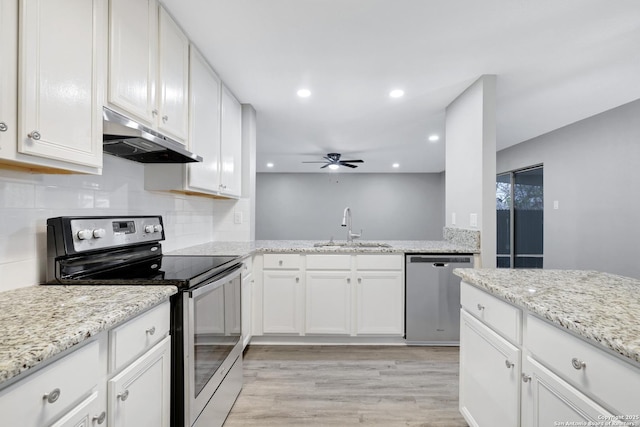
x=39 y=322
x=307 y=247
x=600 y=307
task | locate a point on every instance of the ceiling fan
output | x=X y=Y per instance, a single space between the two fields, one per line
x=332 y=161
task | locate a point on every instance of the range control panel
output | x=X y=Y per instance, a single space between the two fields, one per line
x=91 y=233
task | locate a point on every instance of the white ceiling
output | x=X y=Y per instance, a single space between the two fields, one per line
x=556 y=61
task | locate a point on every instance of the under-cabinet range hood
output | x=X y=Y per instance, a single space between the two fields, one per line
x=131 y=140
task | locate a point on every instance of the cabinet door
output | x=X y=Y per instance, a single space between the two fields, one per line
x=328 y=302
x=247 y=301
x=204 y=133
x=86 y=414
x=8 y=74
x=173 y=78
x=380 y=303
x=231 y=151
x=281 y=292
x=133 y=57
x=489 y=376
x=139 y=396
x=61 y=80
x=547 y=399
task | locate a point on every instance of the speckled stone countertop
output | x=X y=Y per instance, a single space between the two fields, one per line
x=39 y=322
x=601 y=307
x=307 y=246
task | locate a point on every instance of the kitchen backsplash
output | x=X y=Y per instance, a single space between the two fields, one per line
x=28 y=199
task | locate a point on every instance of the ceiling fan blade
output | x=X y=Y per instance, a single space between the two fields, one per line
x=322 y=167
x=352 y=161
x=348 y=165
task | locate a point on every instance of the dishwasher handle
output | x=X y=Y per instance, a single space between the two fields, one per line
x=439 y=261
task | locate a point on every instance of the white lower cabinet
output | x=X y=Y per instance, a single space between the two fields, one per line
x=330 y=295
x=139 y=396
x=547 y=399
x=520 y=370
x=328 y=302
x=281 y=292
x=120 y=378
x=380 y=303
x=489 y=376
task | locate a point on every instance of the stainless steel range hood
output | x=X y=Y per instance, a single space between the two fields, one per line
x=128 y=139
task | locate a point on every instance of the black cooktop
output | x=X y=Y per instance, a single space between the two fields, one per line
x=181 y=271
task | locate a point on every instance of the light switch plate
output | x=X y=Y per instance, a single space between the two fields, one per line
x=473 y=220
x=237 y=217
x=453 y=218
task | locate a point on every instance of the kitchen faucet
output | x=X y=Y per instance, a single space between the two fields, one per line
x=346 y=222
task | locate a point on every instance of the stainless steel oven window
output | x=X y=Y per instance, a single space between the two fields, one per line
x=214 y=329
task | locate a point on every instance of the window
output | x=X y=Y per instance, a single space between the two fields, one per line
x=520 y=216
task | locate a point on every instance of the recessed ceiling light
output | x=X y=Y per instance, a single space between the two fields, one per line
x=396 y=165
x=434 y=138
x=396 y=93
x=333 y=166
x=269 y=165
x=304 y=93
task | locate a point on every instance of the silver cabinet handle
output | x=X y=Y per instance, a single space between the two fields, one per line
x=52 y=396
x=124 y=395
x=359 y=279
x=508 y=364
x=100 y=418
x=151 y=330
x=280 y=263
x=578 y=364
x=165 y=119
x=154 y=113
x=3 y=127
x=348 y=279
x=526 y=378
x=297 y=280
x=480 y=307
x=35 y=135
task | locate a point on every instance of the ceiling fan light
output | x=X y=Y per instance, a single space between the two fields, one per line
x=396 y=93
x=304 y=93
x=334 y=166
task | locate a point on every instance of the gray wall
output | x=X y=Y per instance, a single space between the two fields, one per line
x=592 y=169
x=309 y=206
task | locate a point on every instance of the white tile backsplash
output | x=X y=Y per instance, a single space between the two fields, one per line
x=27 y=199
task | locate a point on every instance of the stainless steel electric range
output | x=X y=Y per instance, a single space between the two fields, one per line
x=206 y=356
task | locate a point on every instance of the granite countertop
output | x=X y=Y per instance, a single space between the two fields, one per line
x=307 y=246
x=39 y=322
x=601 y=307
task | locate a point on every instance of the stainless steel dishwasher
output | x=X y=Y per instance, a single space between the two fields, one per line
x=432 y=298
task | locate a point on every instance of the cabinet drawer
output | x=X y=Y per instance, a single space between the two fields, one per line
x=130 y=340
x=499 y=315
x=379 y=262
x=604 y=377
x=70 y=378
x=329 y=262
x=282 y=261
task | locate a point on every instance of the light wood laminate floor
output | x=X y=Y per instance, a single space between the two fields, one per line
x=348 y=385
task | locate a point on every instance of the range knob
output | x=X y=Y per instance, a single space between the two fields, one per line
x=157 y=228
x=148 y=228
x=99 y=233
x=85 y=234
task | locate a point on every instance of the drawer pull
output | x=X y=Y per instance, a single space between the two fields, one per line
x=280 y=262
x=480 y=307
x=3 y=127
x=151 y=330
x=297 y=280
x=52 y=396
x=124 y=395
x=100 y=418
x=578 y=364
x=508 y=364
x=526 y=378
x=35 y=135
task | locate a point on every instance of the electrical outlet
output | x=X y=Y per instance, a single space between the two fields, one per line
x=453 y=218
x=237 y=217
x=473 y=220
x=556 y=204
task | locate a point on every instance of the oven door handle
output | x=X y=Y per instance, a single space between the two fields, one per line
x=211 y=286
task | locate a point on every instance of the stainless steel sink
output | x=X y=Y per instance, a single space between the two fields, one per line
x=352 y=245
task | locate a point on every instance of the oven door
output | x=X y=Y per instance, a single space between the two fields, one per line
x=212 y=333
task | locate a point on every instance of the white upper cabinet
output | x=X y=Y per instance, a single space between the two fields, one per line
x=148 y=66
x=205 y=125
x=231 y=151
x=60 y=83
x=173 y=78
